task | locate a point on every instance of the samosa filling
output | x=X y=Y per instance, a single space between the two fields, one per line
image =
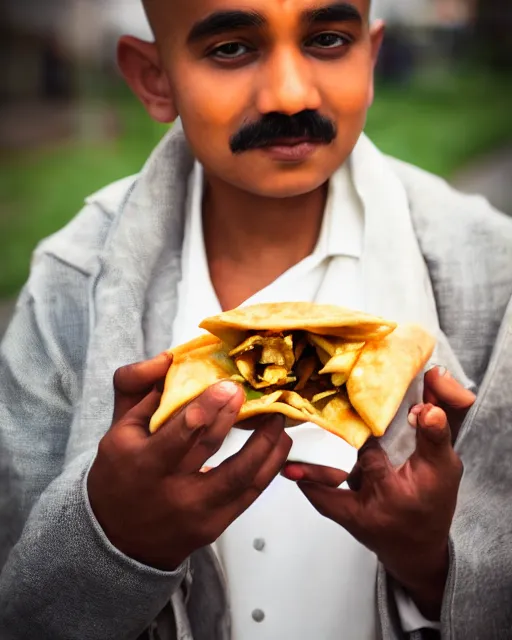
x=316 y=366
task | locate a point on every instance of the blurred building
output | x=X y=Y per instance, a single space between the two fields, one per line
x=423 y=32
x=39 y=48
x=431 y=14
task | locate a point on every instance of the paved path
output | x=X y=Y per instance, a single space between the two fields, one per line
x=490 y=176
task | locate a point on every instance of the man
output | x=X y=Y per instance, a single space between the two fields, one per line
x=265 y=190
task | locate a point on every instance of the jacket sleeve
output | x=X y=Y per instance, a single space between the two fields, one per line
x=60 y=578
x=477 y=596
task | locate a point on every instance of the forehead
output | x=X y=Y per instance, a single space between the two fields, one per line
x=181 y=15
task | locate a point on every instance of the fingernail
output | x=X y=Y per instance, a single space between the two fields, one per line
x=443 y=371
x=414 y=412
x=226 y=390
x=412 y=419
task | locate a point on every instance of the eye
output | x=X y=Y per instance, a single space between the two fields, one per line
x=328 y=40
x=229 y=51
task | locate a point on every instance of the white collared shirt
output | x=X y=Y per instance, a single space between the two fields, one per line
x=290 y=572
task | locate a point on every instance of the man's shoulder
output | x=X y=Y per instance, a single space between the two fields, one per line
x=78 y=243
x=467 y=246
x=444 y=215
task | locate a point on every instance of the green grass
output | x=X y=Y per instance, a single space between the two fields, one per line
x=41 y=191
x=438 y=123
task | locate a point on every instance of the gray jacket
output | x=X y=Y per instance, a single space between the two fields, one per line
x=60 y=577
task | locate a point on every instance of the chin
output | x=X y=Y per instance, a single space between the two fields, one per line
x=286 y=188
x=278 y=181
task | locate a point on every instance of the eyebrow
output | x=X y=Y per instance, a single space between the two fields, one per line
x=335 y=12
x=221 y=22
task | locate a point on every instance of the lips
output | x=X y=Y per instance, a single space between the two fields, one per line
x=291 y=149
x=291 y=142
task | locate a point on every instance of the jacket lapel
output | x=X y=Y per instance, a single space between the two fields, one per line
x=134 y=290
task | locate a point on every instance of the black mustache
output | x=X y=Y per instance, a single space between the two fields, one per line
x=277 y=126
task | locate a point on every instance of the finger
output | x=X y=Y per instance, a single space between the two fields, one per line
x=210 y=440
x=433 y=436
x=429 y=397
x=414 y=412
x=355 y=478
x=439 y=383
x=441 y=389
x=328 y=476
x=266 y=474
x=134 y=381
x=373 y=463
x=217 y=407
x=236 y=475
x=340 y=505
x=135 y=423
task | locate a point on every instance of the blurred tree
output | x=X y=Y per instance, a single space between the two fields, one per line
x=494 y=30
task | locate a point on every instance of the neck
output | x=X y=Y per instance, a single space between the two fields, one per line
x=250 y=240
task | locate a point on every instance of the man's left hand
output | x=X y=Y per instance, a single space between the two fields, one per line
x=402 y=514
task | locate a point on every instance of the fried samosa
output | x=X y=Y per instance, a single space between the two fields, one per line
x=344 y=370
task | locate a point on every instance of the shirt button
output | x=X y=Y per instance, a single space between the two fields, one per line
x=259 y=544
x=258 y=615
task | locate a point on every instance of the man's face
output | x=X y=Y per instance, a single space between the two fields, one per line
x=272 y=94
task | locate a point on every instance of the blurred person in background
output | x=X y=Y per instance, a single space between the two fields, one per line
x=265 y=189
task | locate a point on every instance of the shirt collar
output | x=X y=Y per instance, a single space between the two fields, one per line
x=343 y=223
x=342 y=229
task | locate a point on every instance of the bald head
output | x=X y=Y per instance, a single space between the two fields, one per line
x=157 y=10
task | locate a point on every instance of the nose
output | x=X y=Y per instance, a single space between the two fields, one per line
x=287 y=84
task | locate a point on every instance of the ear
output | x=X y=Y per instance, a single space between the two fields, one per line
x=377 y=31
x=140 y=66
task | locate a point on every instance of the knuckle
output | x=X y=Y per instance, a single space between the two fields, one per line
x=121 y=375
x=210 y=444
x=458 y=466
x=258 y=485
x=270 y=438
x=114 y=446
x=371 y=445
x=108 y=448
x=373 y=466
x=371 y=457
x=237 y=479
x=194 y=416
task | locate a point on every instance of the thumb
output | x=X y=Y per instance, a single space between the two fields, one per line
x=134 y=381
x=433 y=436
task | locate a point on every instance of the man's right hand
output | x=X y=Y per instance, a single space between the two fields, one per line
x=147 y=491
